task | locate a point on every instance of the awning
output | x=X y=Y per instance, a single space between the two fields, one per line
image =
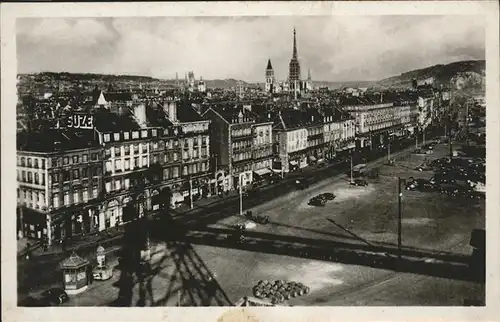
x=262 y=172
x=293 y=162
x=177 y=197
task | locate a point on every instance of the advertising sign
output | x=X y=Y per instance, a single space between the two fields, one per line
x=80 y=121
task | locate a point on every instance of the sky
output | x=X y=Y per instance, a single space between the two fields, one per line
x=333 y=48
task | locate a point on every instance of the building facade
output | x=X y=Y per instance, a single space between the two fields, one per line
x=59 y=185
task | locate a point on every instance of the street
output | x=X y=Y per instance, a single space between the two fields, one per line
x=344 y=251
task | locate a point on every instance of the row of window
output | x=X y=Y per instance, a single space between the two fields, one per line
x=76 y=197
x=30 y=177
x=75 y=174
x=126 y=135
x=262 y=153
x=242 y=156
x=242 y=132
x=74 y=159
x=314 y=142
x=28 y=162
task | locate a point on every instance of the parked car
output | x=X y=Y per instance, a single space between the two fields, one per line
x=317 y=201
x=55 y=296
x=359 y=182
x=328 y=195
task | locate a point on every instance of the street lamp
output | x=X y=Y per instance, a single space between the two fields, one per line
x=241 y=192
x=400 y=195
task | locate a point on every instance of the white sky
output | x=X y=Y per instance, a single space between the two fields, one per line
x=335 y=48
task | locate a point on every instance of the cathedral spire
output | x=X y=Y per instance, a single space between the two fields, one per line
x=269 y=66
x=294 y=44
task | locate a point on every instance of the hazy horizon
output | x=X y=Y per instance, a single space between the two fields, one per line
x=335 y=48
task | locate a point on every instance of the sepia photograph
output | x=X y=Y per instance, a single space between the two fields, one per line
x=249 y=160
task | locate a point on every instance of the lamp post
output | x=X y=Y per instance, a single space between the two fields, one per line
x=351 y=168
x=191 y=192
x=400 y=195
x=241 y=193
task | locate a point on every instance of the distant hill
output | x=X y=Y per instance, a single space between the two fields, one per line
x=468 y=74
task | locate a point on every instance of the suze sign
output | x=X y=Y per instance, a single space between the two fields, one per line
x=80 y=121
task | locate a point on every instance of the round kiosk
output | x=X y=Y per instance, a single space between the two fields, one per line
x=74 y=270
x=102 y=271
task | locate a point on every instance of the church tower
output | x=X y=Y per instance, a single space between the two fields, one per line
x=294 y=67
x=269 y=78
x=309 y=86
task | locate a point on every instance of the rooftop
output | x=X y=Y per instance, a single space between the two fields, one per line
x=53 y=140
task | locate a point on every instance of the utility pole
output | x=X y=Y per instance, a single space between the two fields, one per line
x=389 y=151
x=416 y=141
x=351 y=168
x=241 y=195
x=400 y=194
x=423 y=139
x=191 y=192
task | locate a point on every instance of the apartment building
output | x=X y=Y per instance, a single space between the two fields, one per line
x=59 y=184
x=241 y=144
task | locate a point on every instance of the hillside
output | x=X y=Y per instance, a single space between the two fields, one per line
x=458 y=75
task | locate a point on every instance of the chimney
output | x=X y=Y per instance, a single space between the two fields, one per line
x=170 y=108
x=140 y=114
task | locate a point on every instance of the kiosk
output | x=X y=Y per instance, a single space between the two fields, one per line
x=74 y=271
x=102 y=271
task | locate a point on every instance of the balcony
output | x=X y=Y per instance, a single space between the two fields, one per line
x=243 y=137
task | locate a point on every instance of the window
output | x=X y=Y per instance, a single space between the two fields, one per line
x=127 y=183
x=95 y=171
x=135 y=135
x=66 y=198
x=108 y=186
x=118 y=165
x=154 y=132
x=185 y=155
x=195 y=153
x=85 y=158
x=176 y=172
x=85 y=173
x=161 y=145
x=76 y=174
x=144 y=133
x=23 y=161
x=203 y=167
x=36 y=163
x=76 y=197
x=55 y=200
x=107 y=137
x=155 y=159
x=136 y=162
x=41 y=198
x=176 y=156
x=30 y=177
x=75 y=159
x=116 y=136
x=184 y=170
x=126 y=150
x=136 y=148
x=23 y=176
x=43 y=163
x=85 y=195
x=155 y=146
x=118 y=184
x=35 y=196
x=36 y=178
x=166 y=174
x=95 y=192
x=126 y=164
x=29 y=162
x=144 y=148
x=109 y=166
x=118 y=151
x=126 y=135
x=144 y=161
x=107 y=153
x=94 y=156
